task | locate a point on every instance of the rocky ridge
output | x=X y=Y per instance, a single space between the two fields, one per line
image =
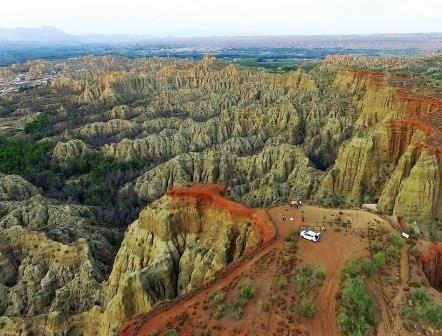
x=177 y=244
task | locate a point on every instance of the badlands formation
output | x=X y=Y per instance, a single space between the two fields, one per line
x=342 y=134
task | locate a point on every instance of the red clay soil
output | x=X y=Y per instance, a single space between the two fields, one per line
x=417 y=106
x=213 y=195
x=431 y=263
x=418 y=111
x=194 y=314
x=376 y=78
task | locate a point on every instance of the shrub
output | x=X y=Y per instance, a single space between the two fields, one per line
x=393 y=252
x=396 y=240
x=306 y=308
x=217 y=298
x=431 y=313
x=350 y=326
x=238 y=312
x=373 y=266
x=205 y=332
x=419 y=295
x=219 y=311
x=320 y=273
x=171 y=332
x=422 y=308
x=24 y=157
x=352 y=269
x=303 y=278
x=37 y=125
x=282 y=282
x=247 y=291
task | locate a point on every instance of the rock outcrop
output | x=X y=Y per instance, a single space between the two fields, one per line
x=271 y=176
x=176 y=245
x=14 y=187
x=53 y=258
x=71 y=149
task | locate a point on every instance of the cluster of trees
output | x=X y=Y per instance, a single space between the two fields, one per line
x=94 y=180
x=24 y=157
x=37 y=125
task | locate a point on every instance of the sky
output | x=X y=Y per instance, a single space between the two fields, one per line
x=185 y=18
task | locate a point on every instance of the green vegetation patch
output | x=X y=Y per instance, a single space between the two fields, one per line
x=247 y=291
x=421 y=309
x=93 y=180
x=303 y=279
x=357 y=313
x=24 y=157
x=171 y=332
x=372 y=266
x=306 y=308
x=37 y=125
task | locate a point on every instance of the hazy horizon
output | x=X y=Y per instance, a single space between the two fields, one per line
x=182 y=19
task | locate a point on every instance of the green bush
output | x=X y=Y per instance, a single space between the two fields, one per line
x=219 y=311
x=282 y=282
x=431 y=313
x=396 y=240
x=247 y=291
x=351 y=326
x=238 y=312
x=171 y=332
x=419 y=295
x=320 y=273
x=303 y=279
x=393 y=252
x=306 y=308
x=357 y=308
x=217 y=298
x=352 y=269
x=373 y=266
x=24 y=157
x=423 y=309
x=37 y=125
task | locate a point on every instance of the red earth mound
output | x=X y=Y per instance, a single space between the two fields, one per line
x=431 y=263
x=213 y=195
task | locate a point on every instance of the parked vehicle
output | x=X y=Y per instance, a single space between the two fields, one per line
x=310 y=235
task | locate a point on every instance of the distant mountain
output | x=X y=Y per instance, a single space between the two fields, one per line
x=37 y=34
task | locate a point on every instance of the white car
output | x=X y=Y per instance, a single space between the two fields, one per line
x=310 y=235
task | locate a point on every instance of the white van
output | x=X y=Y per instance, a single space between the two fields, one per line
x=310 y=235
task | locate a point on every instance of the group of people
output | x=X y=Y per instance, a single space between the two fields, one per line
x=295 y=203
